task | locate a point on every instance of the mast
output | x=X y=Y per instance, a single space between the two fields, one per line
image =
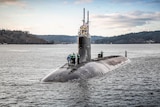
x=83 y=16
x=88 y=18
x=88 y=21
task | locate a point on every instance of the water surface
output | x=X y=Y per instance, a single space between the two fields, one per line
x=134 y=84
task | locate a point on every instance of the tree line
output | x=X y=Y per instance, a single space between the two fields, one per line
x=19 y=37
x=24 y=37
x=132 y=38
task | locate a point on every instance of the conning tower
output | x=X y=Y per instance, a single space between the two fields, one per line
x=84 y=44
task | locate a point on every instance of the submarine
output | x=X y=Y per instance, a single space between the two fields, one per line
x=86 y=67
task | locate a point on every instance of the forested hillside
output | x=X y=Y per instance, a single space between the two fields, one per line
x=132 y=38
x=23 y=37
x=65 y=38
x=19 y=37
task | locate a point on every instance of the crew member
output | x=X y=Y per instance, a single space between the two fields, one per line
x=74 y=58
x=78 y=57
x=101 y=54
x=69 y=59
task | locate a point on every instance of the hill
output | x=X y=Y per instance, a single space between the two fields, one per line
x=58 y=39
x=132 y=38
x=19 y=37
x=23 y=37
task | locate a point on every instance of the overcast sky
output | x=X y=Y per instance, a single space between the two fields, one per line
x=107 y=17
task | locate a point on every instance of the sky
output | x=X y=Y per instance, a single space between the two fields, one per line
x=64 y=17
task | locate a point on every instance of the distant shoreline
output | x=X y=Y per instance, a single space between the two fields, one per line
x=24 y=37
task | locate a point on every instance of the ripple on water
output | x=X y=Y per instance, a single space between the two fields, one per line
x=134 y=84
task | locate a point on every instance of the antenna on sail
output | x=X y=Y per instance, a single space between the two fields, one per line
x=83 y=16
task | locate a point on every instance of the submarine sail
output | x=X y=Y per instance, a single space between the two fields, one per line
x=84 y=44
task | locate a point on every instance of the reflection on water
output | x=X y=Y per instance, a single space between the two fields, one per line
x=135 y=84
x=80 y=95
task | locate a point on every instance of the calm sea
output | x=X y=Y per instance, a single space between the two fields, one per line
x=134 y=84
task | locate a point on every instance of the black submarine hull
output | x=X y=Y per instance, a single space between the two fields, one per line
x=85 y=70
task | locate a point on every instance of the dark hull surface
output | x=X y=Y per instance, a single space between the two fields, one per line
x=85 y=70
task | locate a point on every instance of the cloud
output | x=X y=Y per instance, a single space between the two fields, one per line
x=141 y=2
x=156 y=1
x=130 y=1
x=65 y=2
x=13 y=3
x=82 y=1
x=128 y=20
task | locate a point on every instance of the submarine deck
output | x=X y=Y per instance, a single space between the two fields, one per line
x=111 y=60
